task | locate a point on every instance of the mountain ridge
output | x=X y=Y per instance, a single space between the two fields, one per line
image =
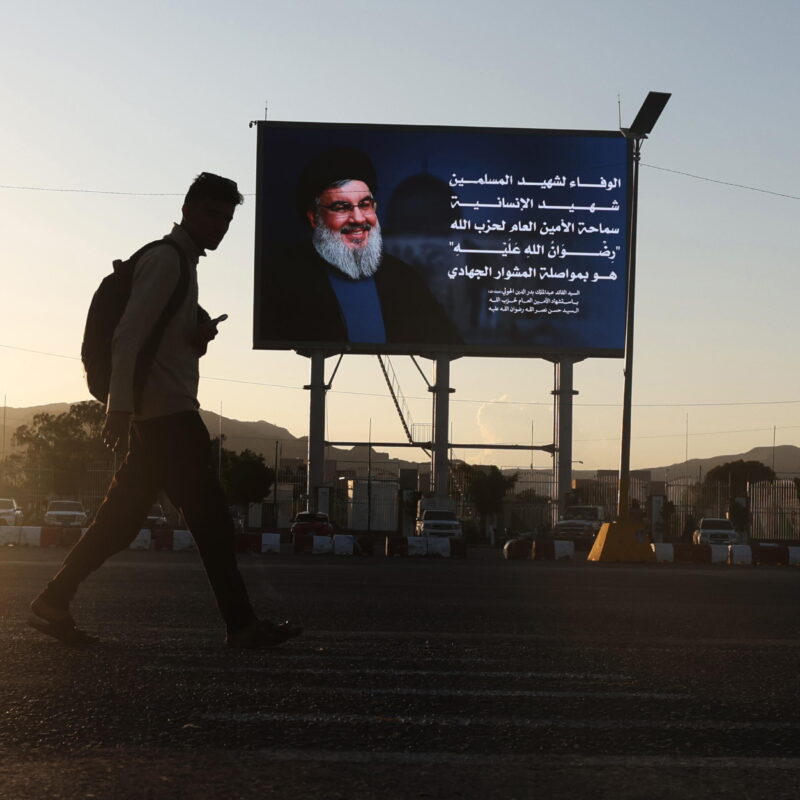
x=261 y=437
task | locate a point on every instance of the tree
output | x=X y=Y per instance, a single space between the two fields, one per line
x=245 y=476
x=486 y=490
x=12 y=474
x=738 y=474
x=65 y=445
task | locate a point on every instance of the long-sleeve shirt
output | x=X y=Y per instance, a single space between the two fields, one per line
x=171 y=383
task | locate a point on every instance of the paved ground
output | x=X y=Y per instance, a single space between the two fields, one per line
x=416 y=678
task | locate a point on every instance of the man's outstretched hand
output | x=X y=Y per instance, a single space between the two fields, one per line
x=116 y=430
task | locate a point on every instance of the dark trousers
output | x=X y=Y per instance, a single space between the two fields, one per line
x=173 y=454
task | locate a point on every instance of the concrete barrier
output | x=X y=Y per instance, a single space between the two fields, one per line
x=344 y=544
x=30 y=536
x=364 y=545
x=740 y=554
x=322 y=545
x=770 y=554
x=420 y=546
x=720 y=553
x=552 y=550
x=439 y=546
x=417 y=546
x=665 y=552
x=50 y=537
x=518 y=549
x=564 y=551
x=182 y=541
x=543 y=550
x=10 y=535
x=143 y=540
x=162 y=538
x=270 y=543
x=302 y=542
x=247 y=542
x=684 y=553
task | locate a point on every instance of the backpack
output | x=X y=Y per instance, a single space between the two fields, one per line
x=106 y=310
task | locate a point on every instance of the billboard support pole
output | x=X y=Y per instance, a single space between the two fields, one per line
x=441 y=426
x=316 y=429
x=562 y=429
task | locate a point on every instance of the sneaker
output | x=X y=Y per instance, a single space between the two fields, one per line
x=263 y=633
x=52 y=614
x=58 y=623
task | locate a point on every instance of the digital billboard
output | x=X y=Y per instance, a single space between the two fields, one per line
x=418 y=240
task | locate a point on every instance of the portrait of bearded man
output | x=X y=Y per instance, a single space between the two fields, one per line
x=341 y=286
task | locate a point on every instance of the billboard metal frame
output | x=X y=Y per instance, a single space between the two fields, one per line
x=562 y=357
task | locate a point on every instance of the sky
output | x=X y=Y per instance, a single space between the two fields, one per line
x=109 y=110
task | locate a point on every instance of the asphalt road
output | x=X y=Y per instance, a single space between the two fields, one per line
x=415 y=678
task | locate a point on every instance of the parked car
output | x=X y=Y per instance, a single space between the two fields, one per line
x=714 y=530
x=313 y=522
x=156 y=518
x=438 y=522
x=10 y=512
x=66 y=513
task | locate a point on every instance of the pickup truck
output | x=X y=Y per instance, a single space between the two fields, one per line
x=67 y=513
x=435 y=522
x=580 y=523
x=436 y=516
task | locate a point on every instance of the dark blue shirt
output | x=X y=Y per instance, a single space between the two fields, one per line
x=361 y=308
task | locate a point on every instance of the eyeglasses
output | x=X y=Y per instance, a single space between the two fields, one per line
x=342 y=207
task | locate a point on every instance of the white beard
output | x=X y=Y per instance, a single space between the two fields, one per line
x=357 y=263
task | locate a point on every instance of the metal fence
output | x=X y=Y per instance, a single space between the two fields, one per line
x=33 y=489
x=532 y=504
x=774 y=511
x=692 y=500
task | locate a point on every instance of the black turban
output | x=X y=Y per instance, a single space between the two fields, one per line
x=325 y=169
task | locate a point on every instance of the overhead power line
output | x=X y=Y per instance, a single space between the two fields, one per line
x=74 y=190
x=547 y=403
x=100 y=191
x=723 y=183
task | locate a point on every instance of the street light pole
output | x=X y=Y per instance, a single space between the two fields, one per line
x=645 y=120
x=623 y=504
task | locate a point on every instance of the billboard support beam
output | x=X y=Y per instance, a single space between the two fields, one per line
x=441 y=424
x=562 y=429
x=316 y=429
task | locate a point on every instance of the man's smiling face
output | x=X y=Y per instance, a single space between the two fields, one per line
x=347 y=211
